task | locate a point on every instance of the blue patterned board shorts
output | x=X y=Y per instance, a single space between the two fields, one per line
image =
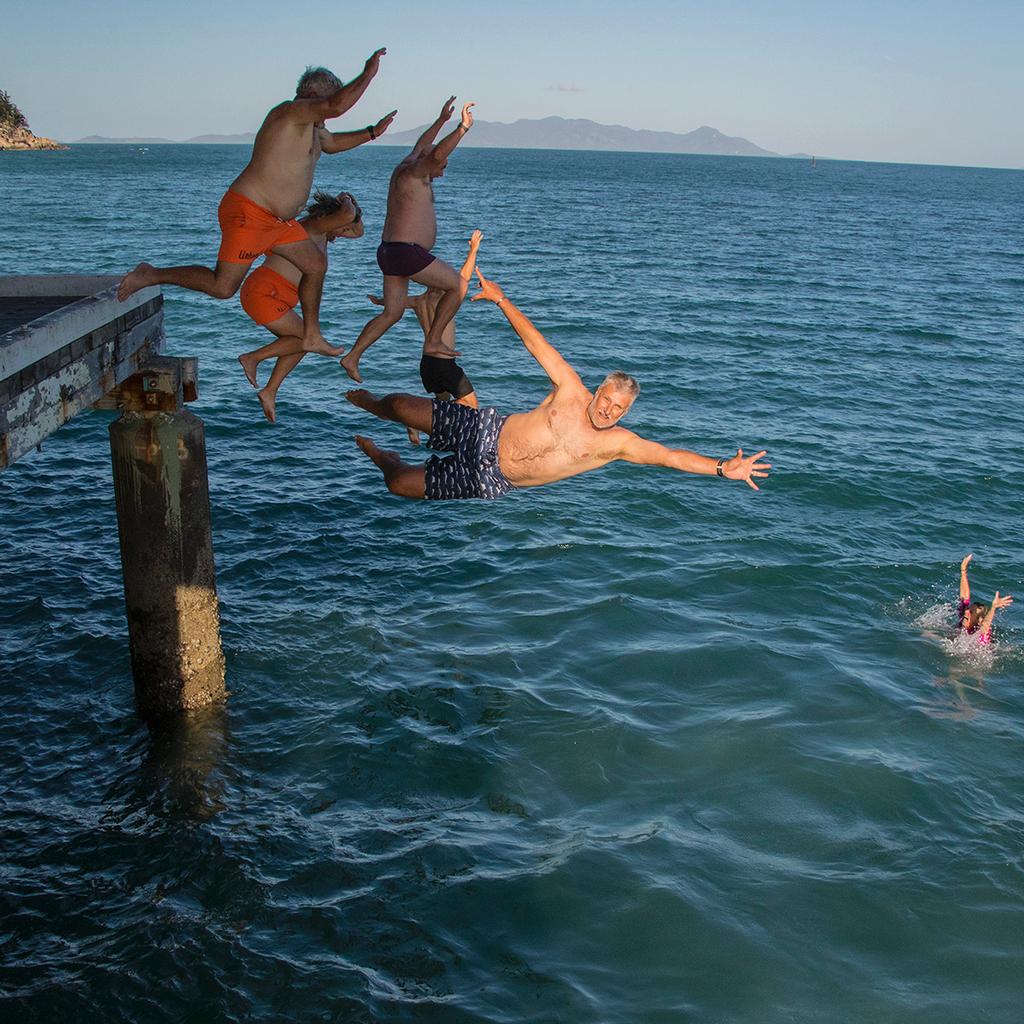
x=472 y=434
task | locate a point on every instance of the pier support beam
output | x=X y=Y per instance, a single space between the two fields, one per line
x=163 y=516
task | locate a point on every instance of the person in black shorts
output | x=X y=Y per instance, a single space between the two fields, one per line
x=408 y=236
x=441 y=377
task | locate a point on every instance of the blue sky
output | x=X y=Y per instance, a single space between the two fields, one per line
x=925 y=82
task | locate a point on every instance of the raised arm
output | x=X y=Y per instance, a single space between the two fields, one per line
x=311 y=111
x=638 y=450
x=965 y=587
x=466 y=273
x=426 y=140
x=550 y=359
x=339 y=142
x=444 y=148
x=997 y=602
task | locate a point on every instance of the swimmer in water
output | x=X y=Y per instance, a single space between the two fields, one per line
x=976 y=617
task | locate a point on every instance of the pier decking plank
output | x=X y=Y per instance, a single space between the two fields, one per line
x=79 y=344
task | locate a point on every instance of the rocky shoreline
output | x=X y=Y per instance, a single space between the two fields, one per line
x=22 y=138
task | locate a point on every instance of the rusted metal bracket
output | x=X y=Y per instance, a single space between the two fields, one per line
x=163 y=384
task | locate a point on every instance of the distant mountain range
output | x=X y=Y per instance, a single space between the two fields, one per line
x=579 y=133
x=244 y=139
x=536 y=133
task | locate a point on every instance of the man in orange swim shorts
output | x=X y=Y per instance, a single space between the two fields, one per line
x=257 y=214
x=270 y=293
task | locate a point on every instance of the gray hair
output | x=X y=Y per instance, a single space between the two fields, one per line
x=620 y=381
x=316 y=83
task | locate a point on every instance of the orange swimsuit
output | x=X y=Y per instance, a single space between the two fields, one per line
x=248 y=230
x=266 y=295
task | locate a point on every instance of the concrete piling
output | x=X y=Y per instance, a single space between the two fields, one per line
x=163 y=516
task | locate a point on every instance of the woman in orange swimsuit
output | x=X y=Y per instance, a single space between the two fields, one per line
x=270 y=293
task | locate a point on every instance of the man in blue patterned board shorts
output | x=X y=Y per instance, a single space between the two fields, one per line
x=572 y=431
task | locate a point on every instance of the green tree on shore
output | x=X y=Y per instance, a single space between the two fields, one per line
x=11 y=118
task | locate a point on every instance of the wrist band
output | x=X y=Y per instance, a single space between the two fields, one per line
x=718 y=468
x=373 y=134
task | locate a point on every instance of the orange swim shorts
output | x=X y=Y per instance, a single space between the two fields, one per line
x=248 y=230
x=266 y=295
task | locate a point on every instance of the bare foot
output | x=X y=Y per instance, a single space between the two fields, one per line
x=133 y=281
x=268 y=400
x=379 y=457
x=360 y=397
x=439 y=351
x=352 y=367
x=249 y=364
x=317 y=343
x=414 y=435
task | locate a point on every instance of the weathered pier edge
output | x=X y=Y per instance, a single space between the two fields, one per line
x=66 y=346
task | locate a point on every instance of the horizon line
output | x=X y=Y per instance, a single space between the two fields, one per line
x=551 y=149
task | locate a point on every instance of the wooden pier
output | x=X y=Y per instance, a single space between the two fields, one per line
x=68 y=346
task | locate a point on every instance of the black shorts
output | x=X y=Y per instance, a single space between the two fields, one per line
x=444 y=375
x=402 y=259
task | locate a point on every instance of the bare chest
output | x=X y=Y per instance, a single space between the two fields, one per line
x=555 y=436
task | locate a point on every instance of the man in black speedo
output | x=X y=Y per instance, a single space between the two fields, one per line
x=441 y=377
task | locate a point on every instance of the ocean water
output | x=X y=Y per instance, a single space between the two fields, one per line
x=635 y=747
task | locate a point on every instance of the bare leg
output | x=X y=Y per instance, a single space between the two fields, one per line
x=409 y=410
x=404 y=480
x=289 y=352
x=268 y=396
x=396 y=290
x=221 y=283
x=309 y=258
x=439 y=274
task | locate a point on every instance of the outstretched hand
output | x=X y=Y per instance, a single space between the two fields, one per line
x=467 y=115
x=384 y=123
x=448 y=109
x=740 y=468
x=490 y=290
x=1001 y=602
x=963 y=564
x=373 y=61
x=475 y=239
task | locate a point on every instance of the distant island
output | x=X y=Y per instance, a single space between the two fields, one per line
x=532 y=133
x=14 y=130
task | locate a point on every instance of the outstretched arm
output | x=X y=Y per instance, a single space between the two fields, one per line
x=444 y=148
x=339 y=142
x=311 y=111
x=550 y=359
x=997 y=602
x=466 y=273
x=965 y=587
x=426 y=140
x=638 y=450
